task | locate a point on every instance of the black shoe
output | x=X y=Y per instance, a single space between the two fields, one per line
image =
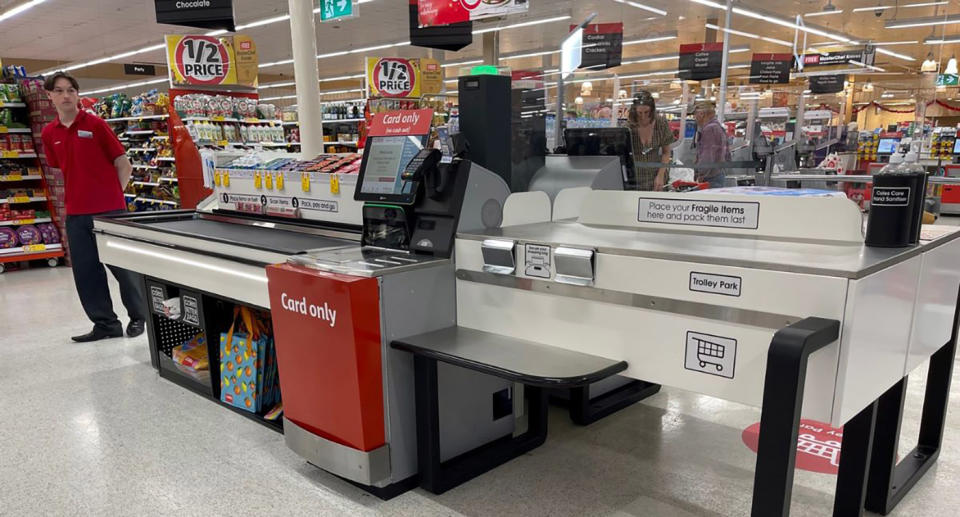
x=135 y=328
x=97 y=334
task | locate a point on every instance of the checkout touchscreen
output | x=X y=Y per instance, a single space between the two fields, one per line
x=887 y=145
x=384 y=159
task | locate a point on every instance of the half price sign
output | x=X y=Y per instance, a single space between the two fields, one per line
x=211 y=61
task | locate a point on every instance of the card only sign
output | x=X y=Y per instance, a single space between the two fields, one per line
x=700 y=61
x=770 y=68
x=602 y=45
x=827 y=83
x=205 y=14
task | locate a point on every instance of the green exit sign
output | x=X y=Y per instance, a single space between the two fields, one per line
x=336 y=9
x=948 y=80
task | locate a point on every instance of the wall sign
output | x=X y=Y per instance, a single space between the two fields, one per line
x=211 y=61
x=602 y=45
x=205 y=14
x=444 y=12
x=715 y=284
x=130 y=69
x=827 y=83
x=770 y=68
x=700 y=61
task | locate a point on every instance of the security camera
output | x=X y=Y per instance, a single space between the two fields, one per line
x=878 y=13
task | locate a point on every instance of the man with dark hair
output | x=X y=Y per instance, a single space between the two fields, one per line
x=95 y=171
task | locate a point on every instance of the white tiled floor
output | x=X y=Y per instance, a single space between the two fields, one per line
x=90 y=429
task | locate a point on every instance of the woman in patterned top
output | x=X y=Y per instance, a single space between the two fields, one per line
x=652 y=137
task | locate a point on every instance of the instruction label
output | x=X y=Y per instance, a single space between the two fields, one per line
x=537 y=260
x=714 y=355
x=715 y=284
x=320 y=205
x=891 y=196
x=191 y=310
x=699 y=212
x=157 y=296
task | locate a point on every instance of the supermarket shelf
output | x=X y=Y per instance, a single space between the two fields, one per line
x=166 y=159
x=13 y=105
x=20 y=201
x=5 y=129
x=16 y=154
x=11 y=178
x=161 y=137
x=232 y=120
x=141 y=132
x=30 y=250
x=146 y=184
x=274 y=144
x=18 y=222
x=344 y=120
x=152 y=200
x=142 y=149
x=146 y=167
x=291 y=123
x=354 y=142
x=169 y=180
x=145 y=117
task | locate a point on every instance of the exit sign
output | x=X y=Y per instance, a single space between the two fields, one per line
x=336 y=9
x=948 y=80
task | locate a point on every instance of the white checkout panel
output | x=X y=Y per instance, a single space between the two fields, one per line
x=689 y=289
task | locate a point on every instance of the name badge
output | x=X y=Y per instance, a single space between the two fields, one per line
x=84 y=134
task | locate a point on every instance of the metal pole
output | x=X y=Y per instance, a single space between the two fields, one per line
x=722 y=105
x=306 y=74
x=559 y=122
x=615 y=107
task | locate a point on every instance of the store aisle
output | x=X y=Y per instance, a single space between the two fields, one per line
x=92 y=430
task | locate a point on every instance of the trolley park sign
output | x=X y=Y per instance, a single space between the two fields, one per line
x=212 y=61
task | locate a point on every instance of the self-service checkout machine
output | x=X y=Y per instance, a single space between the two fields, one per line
x=348 y=397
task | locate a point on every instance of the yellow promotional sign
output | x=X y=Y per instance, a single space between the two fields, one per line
x=211 y=61
x=432 y=76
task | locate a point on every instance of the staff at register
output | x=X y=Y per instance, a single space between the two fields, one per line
x=651 y=141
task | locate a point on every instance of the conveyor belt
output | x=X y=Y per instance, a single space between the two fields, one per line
x=280 y=241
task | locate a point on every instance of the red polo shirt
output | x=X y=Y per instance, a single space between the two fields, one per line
x=85 y=152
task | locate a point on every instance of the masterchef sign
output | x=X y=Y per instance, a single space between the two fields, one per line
x=445 y=12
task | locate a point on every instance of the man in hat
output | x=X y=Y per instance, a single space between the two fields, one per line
x=711 y=144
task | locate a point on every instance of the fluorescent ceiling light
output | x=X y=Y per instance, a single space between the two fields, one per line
x=892 y=43
x=462 y=63
x=885 y=7
x=773 y=19
x=894 y=54
x=638 y=5
x=941 y=41
x=522 y=24
x=822 y=13
x=342 y=78
x=277 y=85
x=127 y=85
x=114 y=57
x=23 y=7
x=749 y=35
x=922 y=22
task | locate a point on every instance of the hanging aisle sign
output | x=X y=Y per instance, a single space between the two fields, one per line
x=827 y=83
x=403 y=78
x=212 y=61
x=865 y=55
x=602 y=45
x=205 y=14
x=331 y=10
x=700 y=61
x=445 y=12
x=770 y=68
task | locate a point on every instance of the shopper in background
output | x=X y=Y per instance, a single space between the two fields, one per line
x=711 y=144
x=652 y=138
x=96 y=172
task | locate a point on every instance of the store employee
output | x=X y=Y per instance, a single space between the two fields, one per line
x=95 y=172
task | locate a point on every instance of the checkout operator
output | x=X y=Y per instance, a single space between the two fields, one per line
x=711 y=144
x=96 y=172
x=652 y=138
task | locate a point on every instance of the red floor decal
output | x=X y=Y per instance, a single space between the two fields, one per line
x=818 y=445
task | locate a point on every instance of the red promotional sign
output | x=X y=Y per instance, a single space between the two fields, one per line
x=445 y=12
x=402 y=123
x=818 y=445
x=207 y=61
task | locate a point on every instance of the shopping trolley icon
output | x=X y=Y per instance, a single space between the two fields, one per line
x=715 y=355
x=709 y=352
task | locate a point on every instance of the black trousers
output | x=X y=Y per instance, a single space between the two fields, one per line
x=91 y=278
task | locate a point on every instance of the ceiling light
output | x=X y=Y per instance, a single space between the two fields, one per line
x=23 y=7
x=892 y=43
x=638 y=5
x=894 y=54
x=929 y=65
x=277 y=85
x=868 y=87
x=922 y=22
x=885 y=7
x=773 y=19
x=463 y=63
x=951 y=66
x=940 y=41
x=522 y=24
x=651 y=39
x=748 y=35
x=578 y=101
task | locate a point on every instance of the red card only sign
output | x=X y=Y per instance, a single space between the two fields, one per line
x=445 y=12
x=402 y=123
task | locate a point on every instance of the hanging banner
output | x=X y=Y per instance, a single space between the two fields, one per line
x=865 y=55
x=205 y=14
x=700 y=61
x=211 y=61
x=445 y=12
x=602 y=45
x=827 y=83
x=451 y=37
x=770 y=68
x=403 y=78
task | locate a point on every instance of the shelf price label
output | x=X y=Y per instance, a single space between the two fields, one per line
x=9 y=154
x=216 y=177
x=12 y=177
x=19 y=199
x=280 y=181
x=218 y=118
x=3 y=129
x=226 y=178
x=305 y=181
x=223 y=143
x=334 y=184
x=268 y=179
x=33 y=248
x=257 y=180
x=16 y=222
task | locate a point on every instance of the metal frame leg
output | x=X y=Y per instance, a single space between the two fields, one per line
x=585 y=411
x=439 y=476
x=780 y=415
x=855 y=463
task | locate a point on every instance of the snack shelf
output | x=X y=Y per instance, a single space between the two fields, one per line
x=152 y=200
x=344 y=120
x=291 y=123
x=144 y=117
x=30 y=250
x=146 y=167
x=12 y=177
x=20 y=222
x=232 y=120
x=5 y=129
x=166 y=159
x=14 y=155
x=274 y=144
x=345 y=142
x=21 y=200
x=146 y=184
x=142 y=149
x=169 y=180
x=13 y=105
x=141 y=132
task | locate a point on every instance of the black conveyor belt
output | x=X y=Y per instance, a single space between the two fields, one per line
x=280 y=241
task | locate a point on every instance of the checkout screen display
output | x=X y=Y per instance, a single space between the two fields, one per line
x=388 y=156
x=887 y=145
